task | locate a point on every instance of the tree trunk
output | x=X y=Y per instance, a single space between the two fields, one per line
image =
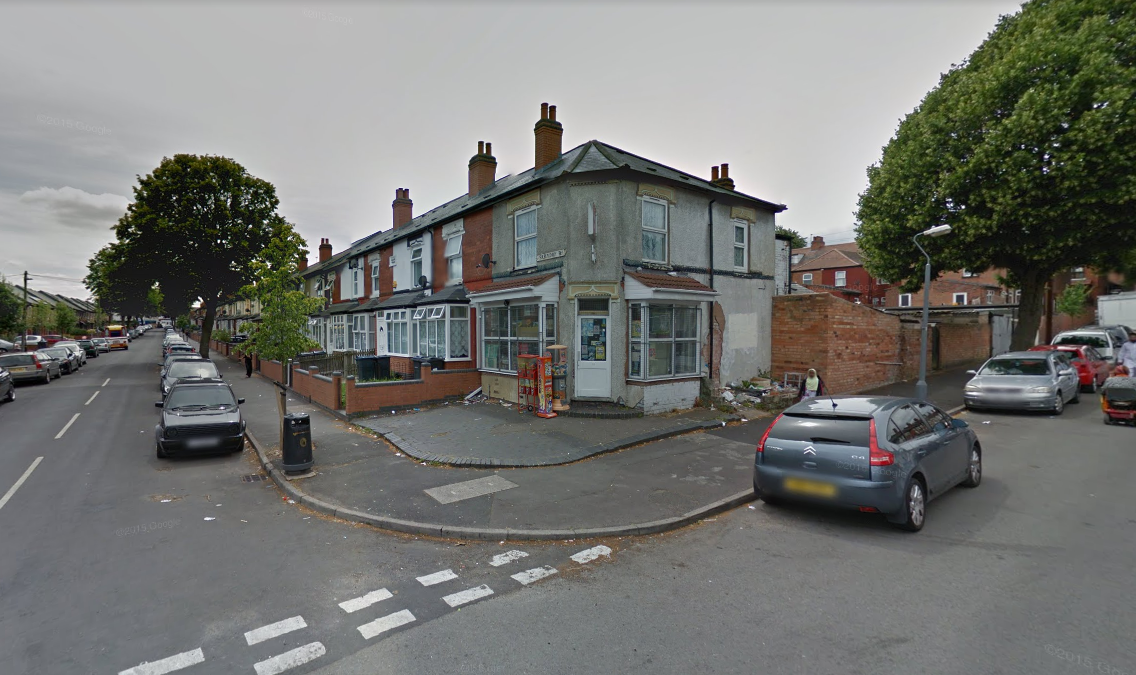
x=1030 y=310
x=207 y=326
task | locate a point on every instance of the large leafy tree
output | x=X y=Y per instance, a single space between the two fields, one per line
x=281 y=333
x=1028 y=150
x=11 y=309
x=194 y=227
x=64 y=319
x=119 y=283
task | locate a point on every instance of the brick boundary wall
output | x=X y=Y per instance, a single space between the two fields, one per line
x=273 y=370
x=435 y=385
x=317 y=388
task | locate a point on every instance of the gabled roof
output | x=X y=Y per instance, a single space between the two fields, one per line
x=667 y=281
x=829 y=259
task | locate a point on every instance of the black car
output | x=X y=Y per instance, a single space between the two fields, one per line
x=7 y=386
x=199 y=417
x=191 y=369
x=90 y=348
x=68 y=362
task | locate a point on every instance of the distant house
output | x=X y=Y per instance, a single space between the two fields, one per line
x=959 y=289
x=838 y=269
x=85 y=311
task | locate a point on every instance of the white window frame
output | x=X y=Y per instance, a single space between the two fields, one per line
x=546 y=332
x=339 y=336
x=881 y=282
x=398 y=332
x=645 y=342
x=356 y=281
x=1077 y=274
x=419 y=314
x=840 y=279
x=955 y=299
x=967 y=274
x=517 y=263
x=454 y=258
x=806 y=278
x=375 y=267
x=743 y=227
x=362 y=333
x=416 y=263
x=989 y=297
x=665 y=231
x=904 y=300
x=434 y=325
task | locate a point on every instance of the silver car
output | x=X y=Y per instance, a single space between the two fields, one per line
x=1024 y=381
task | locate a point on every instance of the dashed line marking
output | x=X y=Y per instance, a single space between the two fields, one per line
x=297 y=657
x=507 y=557
x=92 y=398
x=275 y=630
x=588 y=555
x=437 y=577
x=468 y=596
x=67 y=426
x=167 y=665
x=535 y=574
x=390 y=622
x=12 y=490
x=365 y=601
x=105 y=383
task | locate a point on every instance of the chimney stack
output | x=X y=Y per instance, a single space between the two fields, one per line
x=325 y=249
x=724 y=180
x=482 y=168
x=549 y=134
x=303 y=263
x=403 y=207
x=818 y=242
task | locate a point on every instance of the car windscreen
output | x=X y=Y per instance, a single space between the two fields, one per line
x=1098 y=341
x=57 y=353
x=1016 y=367
x=822 y=429
x=200 y=396
x=17 y=360
x=192 y=369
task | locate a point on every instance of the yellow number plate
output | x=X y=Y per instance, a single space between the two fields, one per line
x=811 y=488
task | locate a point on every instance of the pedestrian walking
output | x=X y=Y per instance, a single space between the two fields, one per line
x=248 y=365
x=812 y=386
x=1127 y=355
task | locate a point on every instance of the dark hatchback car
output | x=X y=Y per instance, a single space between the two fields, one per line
x=190 y=369
x=90 y=348
x=199 y=417
x=877 y=454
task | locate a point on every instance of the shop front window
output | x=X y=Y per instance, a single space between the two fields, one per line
x=511 y=332
x=663 y=341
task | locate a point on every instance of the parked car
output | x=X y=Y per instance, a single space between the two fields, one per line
x=1119 y=333
x=89 y=349
x=33 y=342
x=52 y=339
x=7 y=386
x=74 y=347
x=68 y=362
x=196 y=369
x=179 y=348
x=1100 y=339
x=102 y=344
x=199 y=416
x=6 y=346
x=30 y=366
x=877 y=454
x=1092 y=368
x=179 y=356
x=1024 y=381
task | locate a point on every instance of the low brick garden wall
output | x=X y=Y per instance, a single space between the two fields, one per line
x=434 y=385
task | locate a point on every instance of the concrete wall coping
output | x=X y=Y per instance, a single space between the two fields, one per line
x=392 y=383
x=325 y=378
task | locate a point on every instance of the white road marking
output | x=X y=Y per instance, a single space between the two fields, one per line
x=591 y=554
x=92 y=398
x=275 y=630
x=379 y=626
x=456 y=492
x=365 y=601
x=535 y=574
x=459 y=599
x=297 y=657
x=105 y=383
x=12 y=490
x=437 y=577
x=507 y=557
x=167 y=665
x=67 y=426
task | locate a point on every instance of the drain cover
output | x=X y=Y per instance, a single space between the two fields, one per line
x=252 y=478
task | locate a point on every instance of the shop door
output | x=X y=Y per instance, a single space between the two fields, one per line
x=593 y=358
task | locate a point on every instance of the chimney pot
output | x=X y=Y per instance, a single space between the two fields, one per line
x=549 y=135
x=482 y=168
x=544 y=111
x=552 y=113
x=725 y=171
x=324 y=249
x=713 y=173
x=818 y=242
x=489 y=149
x=481 y=147
x=402 y=207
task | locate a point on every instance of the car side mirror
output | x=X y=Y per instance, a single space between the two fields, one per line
x=958 y=424
x=159 y=404
x=240 y=401
x=1067 y=371
x=972 y=372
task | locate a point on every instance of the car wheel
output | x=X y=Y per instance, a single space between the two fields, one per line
x=1107 y=419
x=974 y=468
x=11 y=393
x=914 y=505
x=1092 y=389
x=1059 y=405
x=47 y=377
x=158 y=450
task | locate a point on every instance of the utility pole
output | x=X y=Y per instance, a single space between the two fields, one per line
x=25 y=345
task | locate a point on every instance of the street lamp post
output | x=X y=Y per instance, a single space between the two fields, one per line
x=921 y=385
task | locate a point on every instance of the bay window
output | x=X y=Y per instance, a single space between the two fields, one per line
x=511 y=332
x=438 y=331
x=398 y=332
x=663 y=341
x=340 y=335
x=361 y=334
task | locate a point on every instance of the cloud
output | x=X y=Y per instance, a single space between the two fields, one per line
x=75 y=208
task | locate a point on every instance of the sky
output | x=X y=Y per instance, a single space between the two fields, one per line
x=339 y=104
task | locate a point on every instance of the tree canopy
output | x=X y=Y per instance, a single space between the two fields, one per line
x=284 y=309
x=65 y=319
x=11 y=309
x=1027 y=149
x=798 y=240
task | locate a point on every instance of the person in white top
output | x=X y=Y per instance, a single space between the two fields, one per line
x=1127 y=355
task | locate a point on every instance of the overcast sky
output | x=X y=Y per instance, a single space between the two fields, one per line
x=339 y=104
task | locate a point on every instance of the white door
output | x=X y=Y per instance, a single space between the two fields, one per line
x=593 y=358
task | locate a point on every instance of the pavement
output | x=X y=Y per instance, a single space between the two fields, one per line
x=363 y=472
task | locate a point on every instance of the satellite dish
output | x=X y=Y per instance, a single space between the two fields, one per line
x=485 y=260
x=422 y=281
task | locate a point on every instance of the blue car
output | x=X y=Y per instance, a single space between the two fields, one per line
x=876 y=454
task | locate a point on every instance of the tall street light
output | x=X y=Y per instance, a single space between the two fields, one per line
x=921 y=385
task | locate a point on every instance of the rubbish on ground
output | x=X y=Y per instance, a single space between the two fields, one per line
x=210 y=518
x=473 y=394
x=166 y=500
x=752 y=507
x=243 y=520
x=986 y=422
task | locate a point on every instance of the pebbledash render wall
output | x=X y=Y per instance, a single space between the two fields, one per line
x=854 y=347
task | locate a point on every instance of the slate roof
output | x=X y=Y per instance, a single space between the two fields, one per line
x=509 y=284
x=829 y=259
x=680 y=283
x=449 y=295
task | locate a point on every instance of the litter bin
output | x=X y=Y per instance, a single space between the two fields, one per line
x=383 y=367
x=297 y=450
x=366 y=367
x=437 y=363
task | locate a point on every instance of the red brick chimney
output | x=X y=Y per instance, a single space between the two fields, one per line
x=549 y=134
x=325 y=249
x=303 y=263
x=482 y=168
x=403 y=207
x=723 y=181
x=818 y=242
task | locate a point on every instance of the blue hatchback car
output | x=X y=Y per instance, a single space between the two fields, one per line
x=878 y=454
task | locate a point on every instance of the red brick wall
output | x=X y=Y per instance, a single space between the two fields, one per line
x=943 y=290
x=962 y=343
x=477 y=241
x=386 y=273
x=434 y=386
x=857 y=279
x=273 y=370
x=318 y=389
